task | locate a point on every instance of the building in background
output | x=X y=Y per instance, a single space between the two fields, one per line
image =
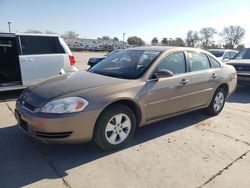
x=95 y=44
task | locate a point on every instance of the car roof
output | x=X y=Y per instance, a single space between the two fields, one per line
x=36 y=34
x=221 y=50
x=165 y=48
x=216 y=50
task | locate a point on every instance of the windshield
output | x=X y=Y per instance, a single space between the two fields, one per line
x=243 y=54
x=217 y=53
x=128 y=64
x=111 y=53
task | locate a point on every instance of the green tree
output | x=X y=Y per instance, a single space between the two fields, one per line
x=233 y=35
x=228 y=46
x=136 y=41
x=178 y=42
x=104 y=38
x=240 y=47
x=115 y=39
x=214 y=46
x=164 y=41
x=154 y=41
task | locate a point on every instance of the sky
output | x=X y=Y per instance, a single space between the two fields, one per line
x=142 y=18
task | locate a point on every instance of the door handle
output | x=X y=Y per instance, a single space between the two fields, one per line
x=214 y=75
x=184 y=82
x=28 y=60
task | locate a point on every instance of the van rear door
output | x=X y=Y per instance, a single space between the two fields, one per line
x=9 y=62
x=41 y=57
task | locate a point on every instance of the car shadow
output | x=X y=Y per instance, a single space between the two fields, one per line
x=241 y=95
x=23 y=160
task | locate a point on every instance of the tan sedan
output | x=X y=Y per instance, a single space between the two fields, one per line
x=129 y=89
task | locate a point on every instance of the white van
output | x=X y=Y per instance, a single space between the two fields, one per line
x=29 y=58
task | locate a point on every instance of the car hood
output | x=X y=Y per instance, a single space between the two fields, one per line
x=241 y=65
x=68 y=83
x=98 y=57
x=239 y=61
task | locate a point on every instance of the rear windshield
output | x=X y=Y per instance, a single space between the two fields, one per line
x=243 y=54
x=217 y=53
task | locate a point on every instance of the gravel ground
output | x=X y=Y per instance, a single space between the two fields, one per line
x=82 y=58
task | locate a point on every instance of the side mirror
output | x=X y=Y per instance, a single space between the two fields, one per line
x=163 y=74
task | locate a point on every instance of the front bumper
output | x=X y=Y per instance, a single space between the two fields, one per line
x=91 y=63
x=57 y=128
x=243 y=77
x=73 y=68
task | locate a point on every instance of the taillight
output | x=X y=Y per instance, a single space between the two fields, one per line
x=72 y=60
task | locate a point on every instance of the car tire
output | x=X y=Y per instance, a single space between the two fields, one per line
x=115 y=127
x=217 y=103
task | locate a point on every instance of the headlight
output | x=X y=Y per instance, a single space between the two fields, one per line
x=65 y=105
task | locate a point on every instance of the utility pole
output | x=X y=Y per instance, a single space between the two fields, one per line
x=9 y=27
x=123 y=40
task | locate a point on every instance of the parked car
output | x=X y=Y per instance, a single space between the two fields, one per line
x=223 y=54
x=241 y=62
x=129 y=89
x=29 y=58
x=94 y=60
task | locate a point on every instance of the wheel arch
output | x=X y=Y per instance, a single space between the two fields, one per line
x=130 y=104
x=225 y=87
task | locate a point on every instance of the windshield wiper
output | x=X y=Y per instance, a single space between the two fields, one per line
x=112 y=75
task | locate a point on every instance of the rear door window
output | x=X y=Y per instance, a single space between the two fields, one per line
x=198 y=61
x=32 y=45
x=215 y=64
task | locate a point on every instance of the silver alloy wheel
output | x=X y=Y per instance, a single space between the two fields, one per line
x=218 y=101
x=118 y=129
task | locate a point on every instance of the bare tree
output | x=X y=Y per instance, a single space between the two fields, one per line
x=192 y=38
x=39 y=32
x=33 y=31
x=233 y=35
x=50 y=32
x=70 y=35
x=206 y=35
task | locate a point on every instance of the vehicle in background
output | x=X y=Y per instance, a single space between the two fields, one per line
x=30 y=58
x=223 y=54
x=94 y=60
x=129 y=89
x=241 y=63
